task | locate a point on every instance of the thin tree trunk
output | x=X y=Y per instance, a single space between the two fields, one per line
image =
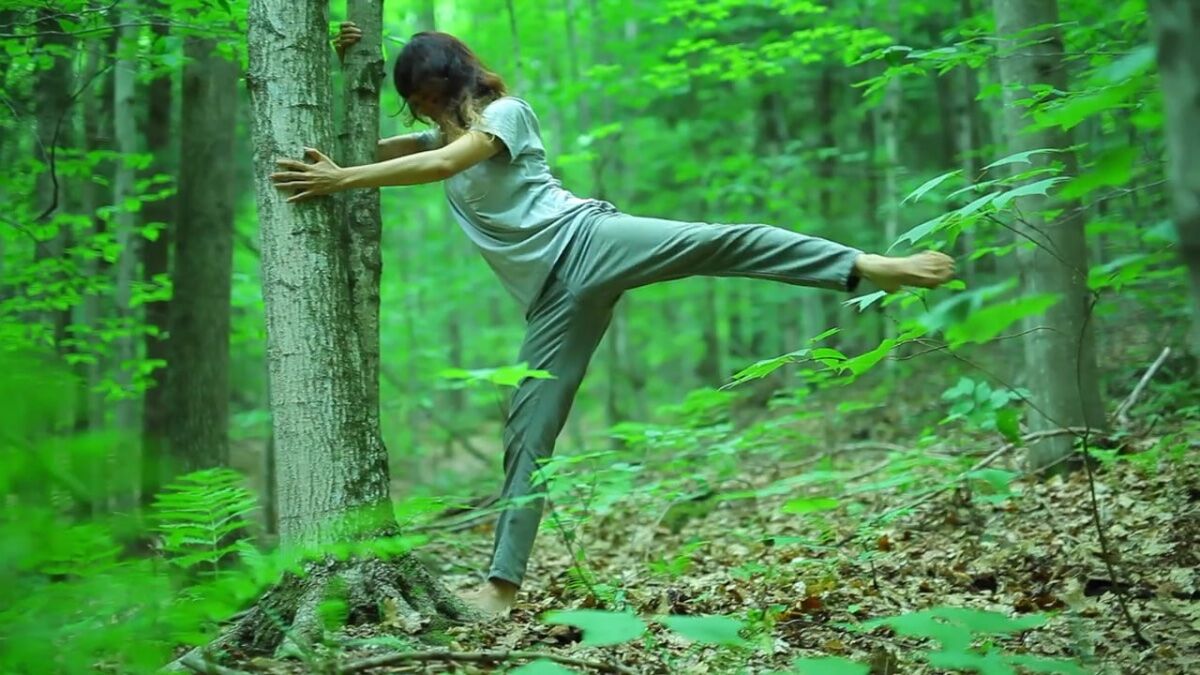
x=198 y=378
x=330 y=462
x=427 y=21
x=522 y=83
x=155 y=260
x=97 y=135
x=52 y=103
x=1177 y=34
x=127 y=466
x=1060 y=359
x=363 y=75
x=967 y=129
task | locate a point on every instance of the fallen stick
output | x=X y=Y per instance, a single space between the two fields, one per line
x=478 y=657
x=1123 y=409
x=197 y=664
x=1008 y=447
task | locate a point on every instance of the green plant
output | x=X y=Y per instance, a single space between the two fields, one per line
x=197 y=515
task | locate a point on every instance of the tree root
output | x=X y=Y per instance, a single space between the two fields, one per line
x=288 y=621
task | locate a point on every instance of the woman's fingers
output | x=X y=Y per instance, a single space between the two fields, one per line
x=300 y=197
x=289 y=175
x=291 y=164
x=316 y=155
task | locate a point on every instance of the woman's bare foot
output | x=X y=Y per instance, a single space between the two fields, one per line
x=495 y=597
x=928 y=269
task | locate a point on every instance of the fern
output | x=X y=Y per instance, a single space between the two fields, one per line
x=198 y=515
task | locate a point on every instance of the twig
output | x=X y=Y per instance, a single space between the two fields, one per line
x=1123 y=409
x=197 y=664
x=1009 y=447
x=1105 y=550
x=479 y=657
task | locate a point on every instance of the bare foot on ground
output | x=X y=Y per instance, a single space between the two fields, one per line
x=928 y=269
x=493 y=598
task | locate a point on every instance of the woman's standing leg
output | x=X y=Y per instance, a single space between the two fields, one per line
x=562 y=334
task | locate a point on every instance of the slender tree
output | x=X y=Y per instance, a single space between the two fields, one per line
x=1177 y=35
x=124 y=224
x=331 y=464
x=52 y=103
x=1060 y=359
x=155 y=259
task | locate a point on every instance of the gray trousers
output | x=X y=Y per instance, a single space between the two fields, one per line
x=614 y=254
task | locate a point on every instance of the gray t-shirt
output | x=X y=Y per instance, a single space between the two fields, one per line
x=512 y=208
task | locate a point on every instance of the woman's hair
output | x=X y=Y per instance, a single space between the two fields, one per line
x=441 y=67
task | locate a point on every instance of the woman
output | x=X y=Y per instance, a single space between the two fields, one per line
x=567 y=260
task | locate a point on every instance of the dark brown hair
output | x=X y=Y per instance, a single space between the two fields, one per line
x=443 y=68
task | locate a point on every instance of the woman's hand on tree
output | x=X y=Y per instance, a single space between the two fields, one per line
x=322 y=177
x=348 y=34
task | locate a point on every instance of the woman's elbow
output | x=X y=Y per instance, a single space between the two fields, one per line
x=443 y=168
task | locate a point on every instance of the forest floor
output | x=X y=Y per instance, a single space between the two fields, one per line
x=803 y=548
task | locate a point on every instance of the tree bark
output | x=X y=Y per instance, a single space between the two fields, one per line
x=1176 y=31
x=52 y=103
x=329 y=460
x=363 y=75
x=198 y=376
x=155 y=260
x=129 y=238
x=968 y=139
x=1060 y=360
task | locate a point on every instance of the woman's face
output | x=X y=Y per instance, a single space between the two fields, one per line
x=424 y=105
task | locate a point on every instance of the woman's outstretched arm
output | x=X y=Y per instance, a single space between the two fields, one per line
x=324 y=177
x=399 y=146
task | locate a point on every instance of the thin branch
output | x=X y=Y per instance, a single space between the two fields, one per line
x=197 y=664
x=1105 y=550
x=1122 y=413
x=986 y=461
x=479 y=657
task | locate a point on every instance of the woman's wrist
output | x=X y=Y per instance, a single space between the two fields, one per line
x=346 y=177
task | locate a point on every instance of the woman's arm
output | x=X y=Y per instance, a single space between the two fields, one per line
x=323 y=177
x=399 y=146
x=422 y=167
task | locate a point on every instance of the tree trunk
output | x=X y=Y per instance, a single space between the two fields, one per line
x=155 y=260
x=126 y=465
x=1060 y=359
x=967 y=128
x=198 y=376
x=52 y=103
x=329 y=460
x=97 y=135
x=363 y=75
x=331 y=465
x=1176 y=31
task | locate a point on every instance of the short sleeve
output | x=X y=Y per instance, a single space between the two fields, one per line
x=430 y=139
x=512 y=121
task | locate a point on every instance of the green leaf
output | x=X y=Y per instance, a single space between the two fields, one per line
x=600 y=627
x=984 y=324
x=929 y=185
x=716 y=630
x=1008 y=423
x=984 y=664
x=976 y=205
x=982 y=622
x=810 y=505
x=1036 y=188
x=1114 y=167
x=542 y=667
x=832 y=665
x=1019 y=157
x=919 y=232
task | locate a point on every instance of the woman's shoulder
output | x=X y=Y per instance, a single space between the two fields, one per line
x=509 y=103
